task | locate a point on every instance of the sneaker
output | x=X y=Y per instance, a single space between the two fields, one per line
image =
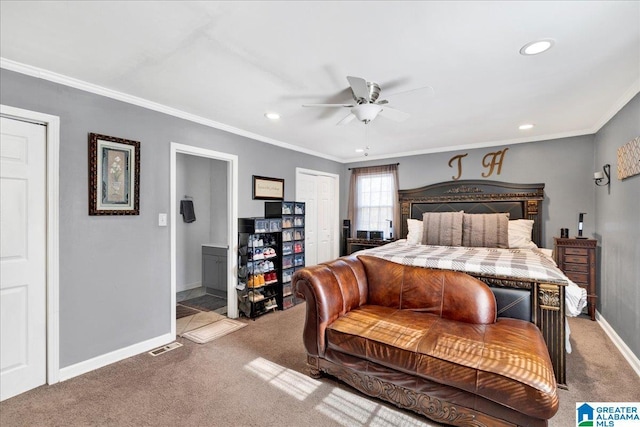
x=258 y=254
x=271 y=304
x=250 y=282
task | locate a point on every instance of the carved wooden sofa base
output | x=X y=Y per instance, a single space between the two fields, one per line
x=431 y=403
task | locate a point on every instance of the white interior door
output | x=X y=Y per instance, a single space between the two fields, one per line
x=23 y=289
x=319 y=191
x=306 y=191
x=326 y=221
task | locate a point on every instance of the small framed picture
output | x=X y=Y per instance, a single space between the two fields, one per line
x=268 y=188
x=114 y=176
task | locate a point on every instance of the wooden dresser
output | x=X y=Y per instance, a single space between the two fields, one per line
x=577 y=259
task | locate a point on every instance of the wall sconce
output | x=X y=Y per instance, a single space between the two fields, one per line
x=599 y=176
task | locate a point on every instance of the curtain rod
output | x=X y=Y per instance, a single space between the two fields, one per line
x=390 y=164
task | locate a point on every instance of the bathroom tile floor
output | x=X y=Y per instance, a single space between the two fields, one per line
x=195 y=293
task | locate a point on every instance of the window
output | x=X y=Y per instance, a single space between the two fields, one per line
x=373 y=203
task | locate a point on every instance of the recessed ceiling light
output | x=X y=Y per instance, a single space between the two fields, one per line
x=536 y=47
x=272 y=116
x=526 y=126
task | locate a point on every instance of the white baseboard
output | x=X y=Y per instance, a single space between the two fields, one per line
x=114 y=356
x=631 y=358
x=188 y=286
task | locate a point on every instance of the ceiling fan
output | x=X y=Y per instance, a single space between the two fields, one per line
x=366 y=106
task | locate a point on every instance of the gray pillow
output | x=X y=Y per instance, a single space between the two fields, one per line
x=486 y=230
x=442 y=228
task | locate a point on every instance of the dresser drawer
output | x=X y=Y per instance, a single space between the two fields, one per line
x=579 y=278
x=575 y=259
x=576 y=251
x=580 y=268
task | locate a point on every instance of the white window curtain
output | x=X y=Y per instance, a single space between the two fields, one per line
x=373 y=199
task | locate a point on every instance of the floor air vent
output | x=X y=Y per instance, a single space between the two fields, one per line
x=164 y=349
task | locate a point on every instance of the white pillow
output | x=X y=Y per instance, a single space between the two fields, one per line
x=414 y=236
x=520 y=234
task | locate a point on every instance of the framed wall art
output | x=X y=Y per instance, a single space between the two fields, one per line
x=114 y=176
x=268 y=188
x=629 y=159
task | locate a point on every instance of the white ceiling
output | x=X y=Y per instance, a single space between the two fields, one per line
x=228 y=63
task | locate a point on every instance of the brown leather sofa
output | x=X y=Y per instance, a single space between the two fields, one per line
x=425 y=340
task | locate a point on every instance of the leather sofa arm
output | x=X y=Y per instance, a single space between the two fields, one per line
x=330 y=290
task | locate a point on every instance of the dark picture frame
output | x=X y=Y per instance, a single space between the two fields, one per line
x=114 y=175
x=265 y=188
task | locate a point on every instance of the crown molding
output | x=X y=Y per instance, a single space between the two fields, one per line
x=43 y=74
x=144 y=103
x=627 y=96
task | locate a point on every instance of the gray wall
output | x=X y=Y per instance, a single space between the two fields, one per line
x=218 y=174
x=115 y=271
x=205 y=181
x=618 y=229
x=563 y=165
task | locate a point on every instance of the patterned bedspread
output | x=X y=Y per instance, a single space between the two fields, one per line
x=523 y=264
x=526 y=264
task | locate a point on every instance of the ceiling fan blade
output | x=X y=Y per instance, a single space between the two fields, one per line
x=359 y=87
x=347 y=119
x=328 y=105
x=428 y=92
x=388 y=85
x=393 y=114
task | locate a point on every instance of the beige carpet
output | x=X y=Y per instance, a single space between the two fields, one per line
x=214 y=330
x=256 y=376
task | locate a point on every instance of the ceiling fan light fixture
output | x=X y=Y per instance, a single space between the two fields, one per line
x=526 y=126
x=366 y=112
x=359 y=150
x=272 y=116
x=536 y=47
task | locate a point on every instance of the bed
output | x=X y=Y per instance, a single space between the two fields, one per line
x=525 y=280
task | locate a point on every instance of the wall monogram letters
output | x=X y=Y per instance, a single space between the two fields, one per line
x=459 y=158
x=493 y=162
x=489 y=161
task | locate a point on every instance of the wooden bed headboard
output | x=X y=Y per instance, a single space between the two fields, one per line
x=475 y=196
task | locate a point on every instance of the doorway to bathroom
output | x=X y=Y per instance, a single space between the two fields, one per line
x=203 y=230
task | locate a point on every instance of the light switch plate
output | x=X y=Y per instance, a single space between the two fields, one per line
x=162 y=220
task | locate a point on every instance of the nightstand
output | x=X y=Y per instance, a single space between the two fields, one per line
x=577 y=259
x=354 y=244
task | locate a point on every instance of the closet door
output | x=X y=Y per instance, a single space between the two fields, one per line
x=306 y=191
x=322 y=226
x=23 y=287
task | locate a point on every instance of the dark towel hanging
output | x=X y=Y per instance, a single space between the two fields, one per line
x=187 y=211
